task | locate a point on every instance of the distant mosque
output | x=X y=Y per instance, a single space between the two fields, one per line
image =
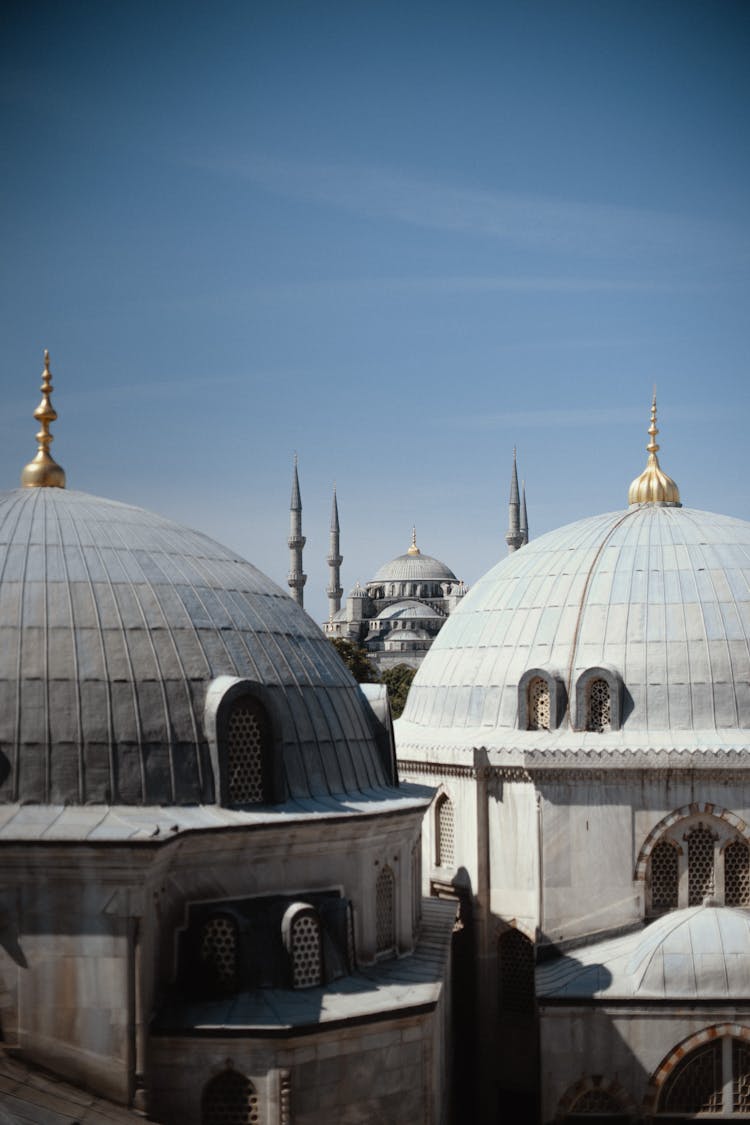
x=395 y=616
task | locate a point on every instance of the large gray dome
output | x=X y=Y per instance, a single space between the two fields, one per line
x=414 y=568
x=115 y=622
x=656 y=596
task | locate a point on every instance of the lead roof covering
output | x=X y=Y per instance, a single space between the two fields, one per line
x=660 y=594
x=113 y=621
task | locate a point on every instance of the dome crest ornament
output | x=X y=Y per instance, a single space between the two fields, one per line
x=44 y=471
x=414 y=549
x=653 y=486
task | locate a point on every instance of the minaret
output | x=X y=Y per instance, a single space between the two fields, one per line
x=335 y=560
x=296 y=541
x=44 y=471
x=524 y=516
x=514 y=538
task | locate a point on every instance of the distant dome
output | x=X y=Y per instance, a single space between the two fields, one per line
x=414 y=568
x=406 y=610
x=358 y=592
x=115 y=623
x=702 y=953
x=660 y=595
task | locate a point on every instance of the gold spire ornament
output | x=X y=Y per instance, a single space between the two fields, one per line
x=43 y=471
x=653 y=486
x=414 y=549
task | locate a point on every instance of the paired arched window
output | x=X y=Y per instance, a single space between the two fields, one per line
x=516 y=992
x=599 y=693
x=385 y=911
x=598 y=706
x=445 y=852
x=696 y=858
x=541 y=699
x=713 y=1078
x=539 y=714
x=230 y=1099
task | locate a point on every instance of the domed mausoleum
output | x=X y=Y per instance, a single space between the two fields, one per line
x=211 y=897
x=586 y=715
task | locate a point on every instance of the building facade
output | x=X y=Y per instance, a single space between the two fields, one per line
x=585 y=714
x=211 y=896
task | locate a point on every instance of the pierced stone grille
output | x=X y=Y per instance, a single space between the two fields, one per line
x=599 y=717
x=516 y=976
x=596 y=1101
x=740 y=1076
x=230 y=1099
x=445 y=833
x=219 y=948
x=695 y=1086
x=244 y=757
x=737 y=874
x=385 y=937
x=664 y=876
x=307 y=967
x=700 y=844
x=539 y=704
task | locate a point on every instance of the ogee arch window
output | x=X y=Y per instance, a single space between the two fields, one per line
x=230 y=1099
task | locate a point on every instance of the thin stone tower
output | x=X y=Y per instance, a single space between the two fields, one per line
x=296 y=541
x=515 y=536
x=334 y=560
x=524 y=516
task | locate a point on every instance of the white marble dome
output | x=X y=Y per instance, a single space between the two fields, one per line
x=115 y=627
x=413 y=567
x=657 y=597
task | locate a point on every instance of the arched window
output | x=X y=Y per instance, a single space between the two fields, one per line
x=230 y=1099
x=444 y=832
x=695 y=1085
x=538 y=704
x=712 y=1078
x=664 y=876
x=385 y=913
x=737 y=874
x=247 y=748
x=594 y=1102
x=218 y=950
x=598 y=712
x=700 y=846
x=696 y=856
x=307 y=962
x=515 y=973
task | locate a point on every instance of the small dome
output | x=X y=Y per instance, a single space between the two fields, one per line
x=358 y=592
x=402 y=610
x=115 y=623
x=702 y=953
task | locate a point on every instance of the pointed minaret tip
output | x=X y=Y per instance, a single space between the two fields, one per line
x=44 y=471
x=514 y=537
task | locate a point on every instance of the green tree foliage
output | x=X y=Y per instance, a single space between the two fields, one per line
x=355 y=658
x=398 y=681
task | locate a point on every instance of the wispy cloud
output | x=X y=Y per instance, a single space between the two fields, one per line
x=587 y=229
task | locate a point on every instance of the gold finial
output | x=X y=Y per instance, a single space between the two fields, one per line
x=414 y=549
x=653 y=486
x=43 y=471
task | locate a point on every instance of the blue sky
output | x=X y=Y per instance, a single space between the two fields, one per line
x=396 y=238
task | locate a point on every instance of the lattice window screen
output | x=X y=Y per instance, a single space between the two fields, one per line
x=539 y=704
x=218 y=948
x=596 y=1101
x=385 y=930
x=664 y=876
x=599 y=710
x=230 y=1099
x=244 y=756
x=740 y=1076
x=516 y=972
x=695 y=1086
x=737 y=874
x=307 y=964
x=700 y=845
x=445 y=833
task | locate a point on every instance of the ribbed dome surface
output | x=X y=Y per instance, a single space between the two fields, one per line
x=414 y=568
x=660 y=594
x=113 y=622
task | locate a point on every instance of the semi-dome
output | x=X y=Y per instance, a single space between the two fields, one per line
x=121 y=633
x=654 y=600
x=700 y=953
x=406 y=610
